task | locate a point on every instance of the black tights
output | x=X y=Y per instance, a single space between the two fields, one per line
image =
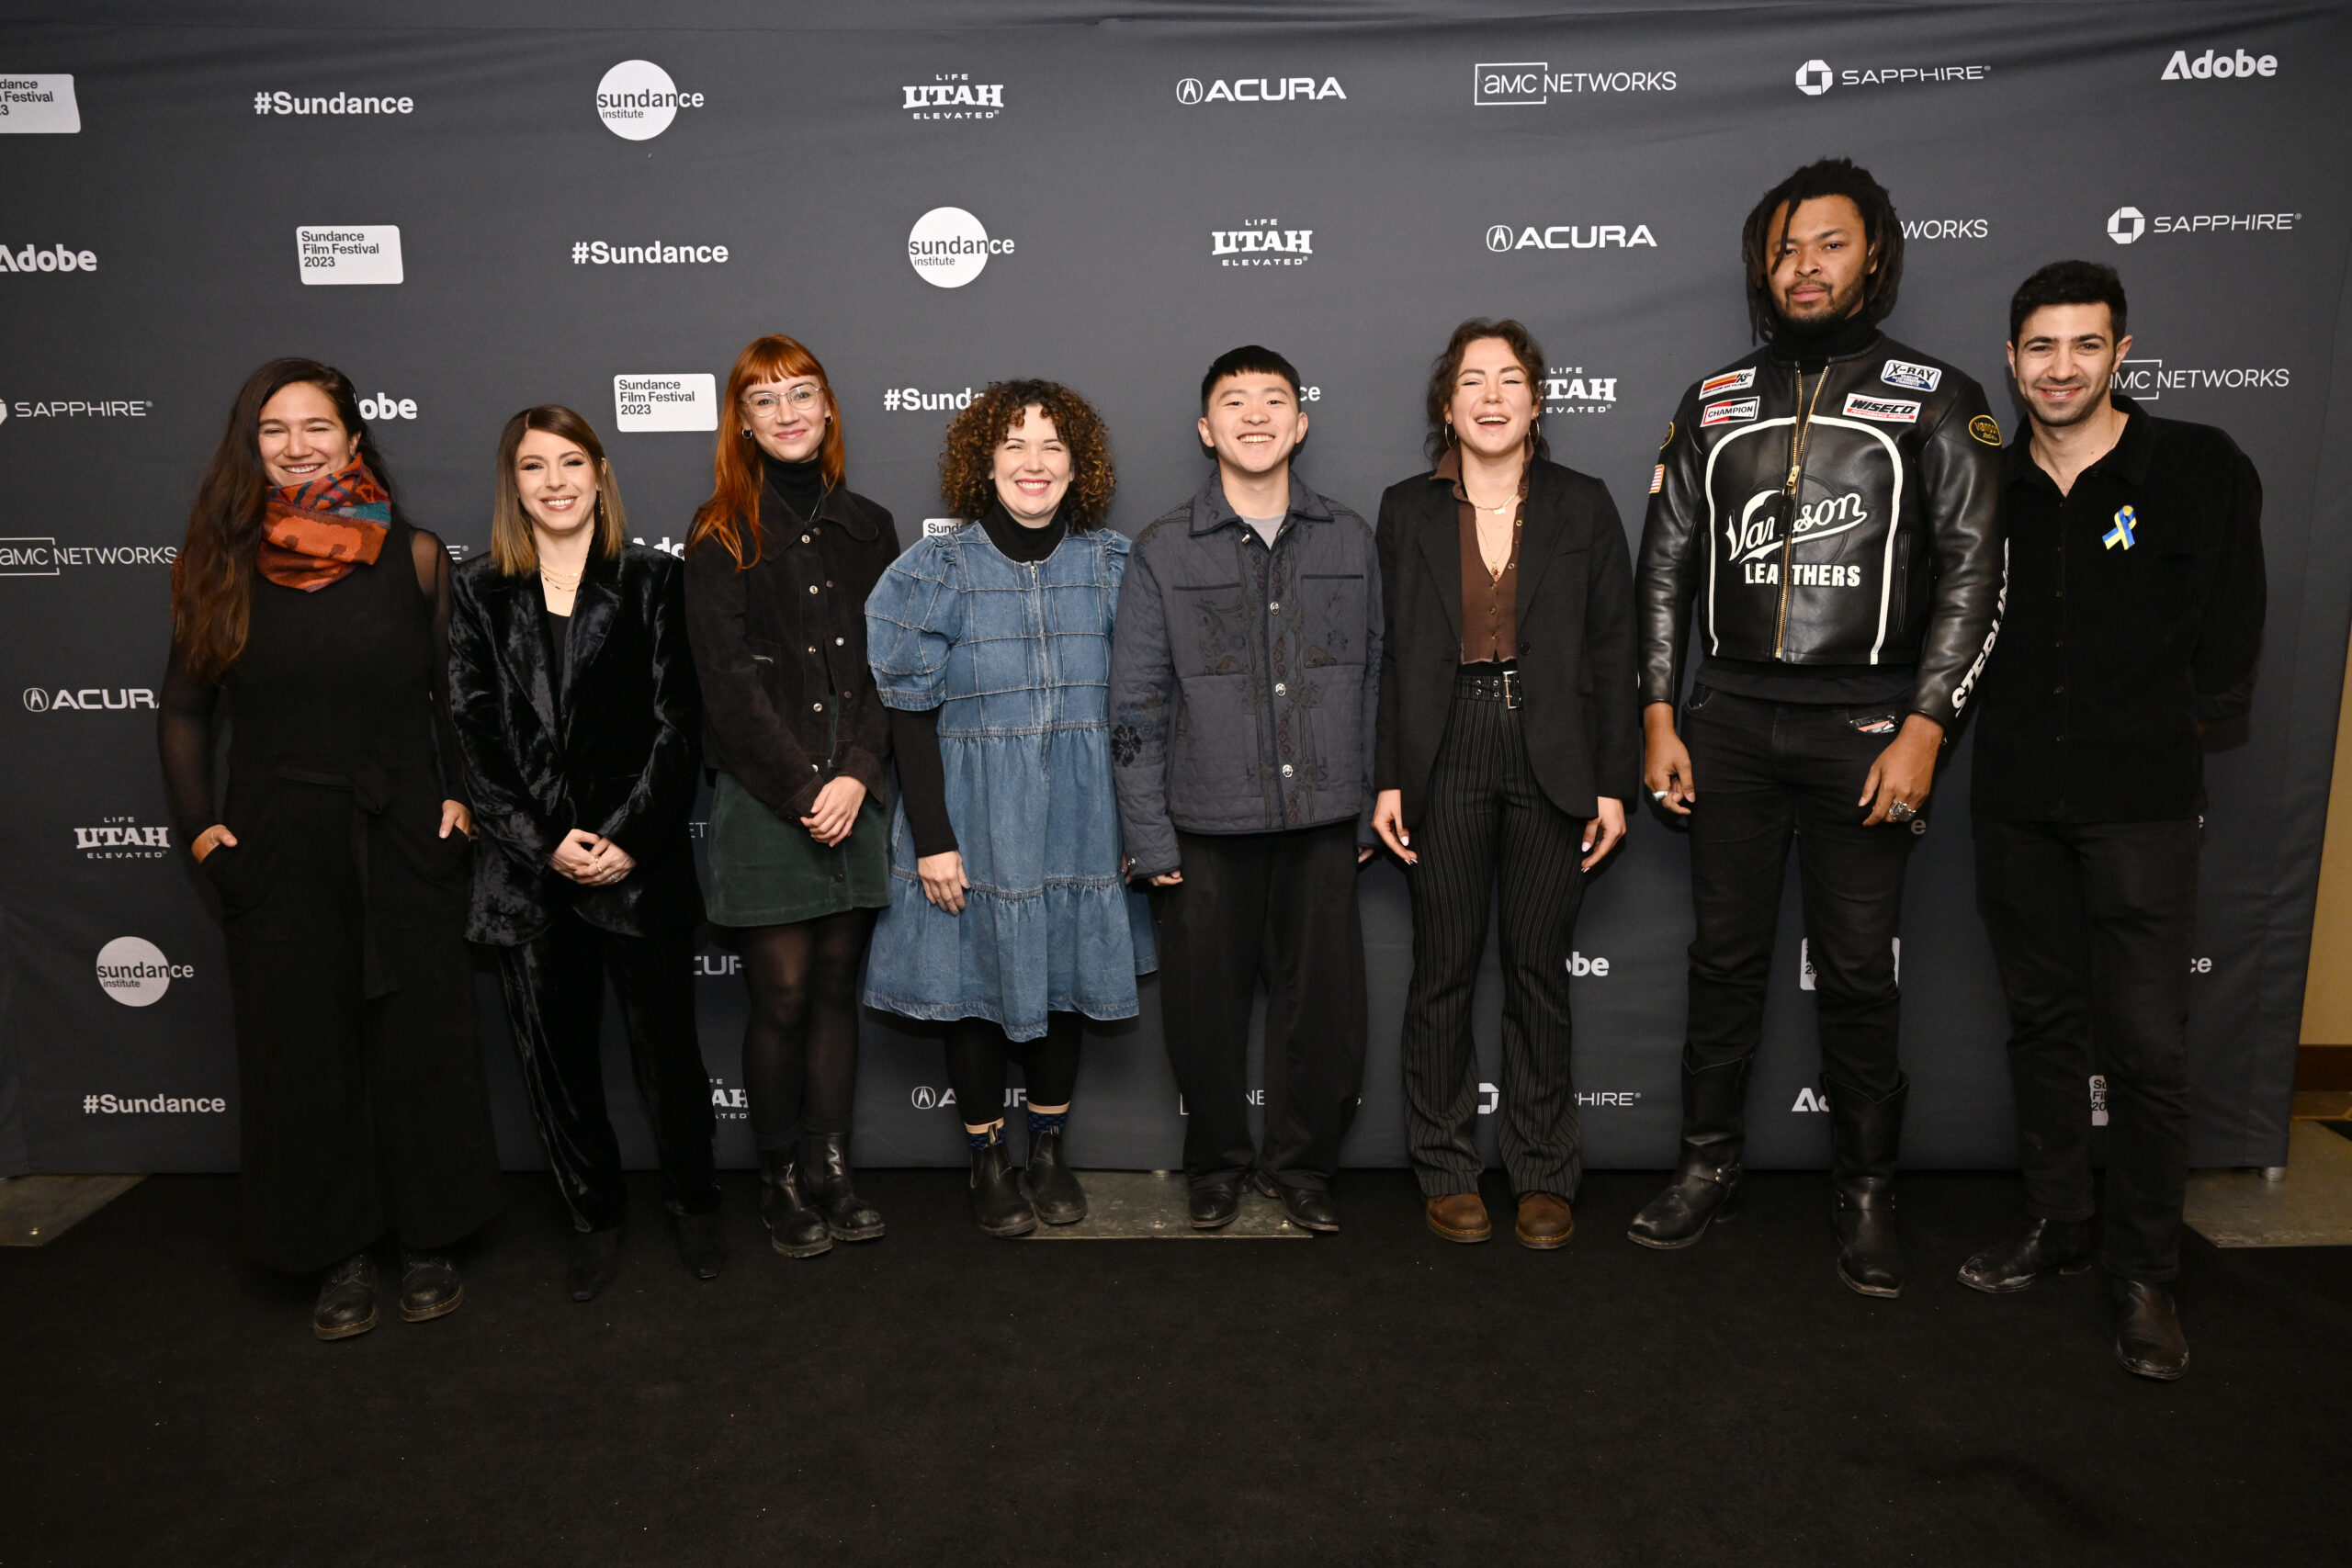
x=800 y=1046
x=977 y=1051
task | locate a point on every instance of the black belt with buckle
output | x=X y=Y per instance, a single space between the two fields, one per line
x=1492 y=683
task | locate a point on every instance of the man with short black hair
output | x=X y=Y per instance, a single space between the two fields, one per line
x=2136 y=605
x=1829 y=503
x=1245 y=676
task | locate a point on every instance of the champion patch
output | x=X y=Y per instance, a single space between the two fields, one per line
x=1903 y=373
x=1985 y=428
x=1729 y=381
x=1886 y=411
x=1724 y=413
x=1657 y=478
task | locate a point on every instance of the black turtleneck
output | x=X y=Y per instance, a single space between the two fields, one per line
x=1810 y=346
x=914 y=737
x=800 y=486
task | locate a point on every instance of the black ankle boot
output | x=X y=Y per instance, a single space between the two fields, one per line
x=1868 y=1136
x=796 y=1227
x=2148 y=1340
x=346 y=1298
x=701 y=1247
x=429 y=1286
x=1053 y=1191
x=824 y=1159
x=1707 y=1177
x=595 y=1257
x=997 y=1201
x=2047 y=1246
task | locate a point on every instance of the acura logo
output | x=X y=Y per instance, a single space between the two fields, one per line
x=1187 y=91
x=1815 y=77
x=2126 y=224
x=1499 y=237
x=36 y=699
x=925 y=1096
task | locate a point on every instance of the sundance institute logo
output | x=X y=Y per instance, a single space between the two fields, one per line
x=948 y=247
x=636 y=100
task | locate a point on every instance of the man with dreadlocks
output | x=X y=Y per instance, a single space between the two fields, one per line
x=1831 y=503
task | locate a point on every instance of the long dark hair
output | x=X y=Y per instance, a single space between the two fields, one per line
x=1447 y=365
x=1760 y=244
x=212 y=580
x=512 y=543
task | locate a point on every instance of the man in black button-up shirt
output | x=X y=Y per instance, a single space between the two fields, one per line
x=2134 y=615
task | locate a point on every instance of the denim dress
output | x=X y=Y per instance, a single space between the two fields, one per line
x=1017 y=659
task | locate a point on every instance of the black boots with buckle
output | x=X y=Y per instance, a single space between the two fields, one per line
x=1708 y=1175
x=1868 y=1139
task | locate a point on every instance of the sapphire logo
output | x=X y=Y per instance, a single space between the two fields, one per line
x=1813 y=78
x=2126 y=224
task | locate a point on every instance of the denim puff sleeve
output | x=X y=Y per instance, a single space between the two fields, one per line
x=913 y=620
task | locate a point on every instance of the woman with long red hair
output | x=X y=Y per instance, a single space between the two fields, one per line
x=340 y=856
x=778 y=565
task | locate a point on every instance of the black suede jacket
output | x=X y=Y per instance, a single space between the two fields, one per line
x=1891 y=551
x=616 y=756
x=781 y=649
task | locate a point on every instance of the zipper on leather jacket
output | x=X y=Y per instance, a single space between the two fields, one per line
x=1801 y=447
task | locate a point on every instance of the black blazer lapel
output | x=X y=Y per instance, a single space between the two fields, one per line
x=593 y=609
x=1538 y=536
x=523 y=642
x=1441 y=540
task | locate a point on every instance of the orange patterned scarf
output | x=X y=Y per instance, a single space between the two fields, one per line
x=316 y=533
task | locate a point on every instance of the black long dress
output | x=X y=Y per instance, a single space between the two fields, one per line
x=360 y=1072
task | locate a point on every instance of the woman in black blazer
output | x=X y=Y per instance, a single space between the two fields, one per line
x=1508 y=747
x=577 y=710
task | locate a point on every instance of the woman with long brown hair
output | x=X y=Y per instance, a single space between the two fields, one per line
x=339 y=858
x=778 y=565
x=576 y=704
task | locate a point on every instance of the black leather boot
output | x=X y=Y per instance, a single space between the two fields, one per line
x=1867 y=1137
x=429 y=1285
x=998 y=1203
x=1707 y=1177
x=1053 y=1191
x=700 y=1246
x=2148 y=1340
x=2046 y=1247
x=795 y=1227
x=346 y=1298
x=824 y=1159
x=595 y=1257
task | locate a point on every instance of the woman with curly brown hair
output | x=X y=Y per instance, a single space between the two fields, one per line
x=1009 y=915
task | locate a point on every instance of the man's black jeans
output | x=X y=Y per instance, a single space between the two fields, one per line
x=1765 y=772
x=2093 y=925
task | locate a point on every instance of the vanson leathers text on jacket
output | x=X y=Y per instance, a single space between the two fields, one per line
x=781 y=649
x=1889 y=554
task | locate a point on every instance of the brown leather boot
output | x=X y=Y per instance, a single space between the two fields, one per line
x=1545 y=1220
x=1459 y=1216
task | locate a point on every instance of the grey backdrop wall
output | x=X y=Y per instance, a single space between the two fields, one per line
x=443 y=209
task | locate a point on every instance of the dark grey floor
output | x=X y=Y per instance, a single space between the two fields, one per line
x=1377 y=1397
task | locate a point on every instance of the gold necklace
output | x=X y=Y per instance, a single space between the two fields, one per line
x=561 y=585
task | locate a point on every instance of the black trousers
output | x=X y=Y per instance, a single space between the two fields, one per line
x=1767 y=773
x=1487 y=830
x=555 y=1007
x=2093 y=928
x=1281 y=905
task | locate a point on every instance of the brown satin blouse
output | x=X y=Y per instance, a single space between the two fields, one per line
x=1490 y=601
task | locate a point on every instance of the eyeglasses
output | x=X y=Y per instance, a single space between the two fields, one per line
x=767 y=405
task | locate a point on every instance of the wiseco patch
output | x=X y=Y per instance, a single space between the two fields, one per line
x=1887 y=411
x=1729 y=381
x=1724 y=413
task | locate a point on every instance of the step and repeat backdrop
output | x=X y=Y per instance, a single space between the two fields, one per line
x=471 y=218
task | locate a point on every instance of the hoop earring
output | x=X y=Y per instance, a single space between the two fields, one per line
x=747 y=433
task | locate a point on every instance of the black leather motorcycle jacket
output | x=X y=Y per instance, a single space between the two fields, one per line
x=1889 y=551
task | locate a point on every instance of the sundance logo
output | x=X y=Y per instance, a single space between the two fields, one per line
x=2209 y=66
x=684 y=401
x=1259 y=90
x=1815 y=77
x=914 y=400
x=150 y=1105
x=2126 y=225
x=1567 y=390
x=56 y=258
x=122 y=838
x=134 y=972
x=1527 y=84
x=636 y=100
x=38 y=106
x=342 y=103
x=953 y=95
x=603 y=253
x=1262 y=244
x=1571 y=237
x=948 y=247
x=366 y=253
x=42 y=557
x=88 y=699
x=2148 y=380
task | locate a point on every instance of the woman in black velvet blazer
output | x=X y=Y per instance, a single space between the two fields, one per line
x=578 y=712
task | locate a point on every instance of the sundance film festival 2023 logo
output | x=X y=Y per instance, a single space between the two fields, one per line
x=686 y=401
x=948 y=247
x=637 y=101
x=359 y=253
x=1816 y=76
x=1192 y=90
x=2129 y=225
x=1531 y=84
x=953 y=95
x=134 y=972
x=1261 y=241
x=38 y=106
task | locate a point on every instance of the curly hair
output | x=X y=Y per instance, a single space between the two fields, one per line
x=967 y=461
x=1760 y=243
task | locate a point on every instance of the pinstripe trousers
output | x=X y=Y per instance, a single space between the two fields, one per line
x=1488 y=821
